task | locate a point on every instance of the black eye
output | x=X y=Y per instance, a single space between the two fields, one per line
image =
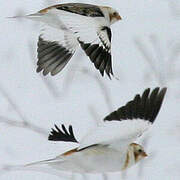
x=140 y=151
x=115 y=14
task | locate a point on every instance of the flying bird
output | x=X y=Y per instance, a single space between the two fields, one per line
x=70 y=25
x=109 y=147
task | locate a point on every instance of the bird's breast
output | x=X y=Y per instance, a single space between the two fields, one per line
x=98 y=160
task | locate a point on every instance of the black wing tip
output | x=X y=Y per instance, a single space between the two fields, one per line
x=53 y=133
x=161 y=92
x=52 y=57
x=62 y=134
x=145 y=106
x=111 y=74
x=99 y=56
x=152 y=101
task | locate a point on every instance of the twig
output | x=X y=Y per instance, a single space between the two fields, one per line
x=94 y=114
x=47 y=170
x=71 y=73
x=145 y=53
x=175 y=8
x=24 y=123
x=150 y=60
x=105 y=176
x=47 y=82
x=102 y=86
x=12 y=104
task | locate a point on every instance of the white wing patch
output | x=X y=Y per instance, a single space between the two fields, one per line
x=115 y=134
x=105 y=37
x=55 y=49
x=99 y=51
x=123 y=126
x=94 y=36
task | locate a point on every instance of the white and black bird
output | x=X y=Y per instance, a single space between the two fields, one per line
x=109 y=147
x=70 y=25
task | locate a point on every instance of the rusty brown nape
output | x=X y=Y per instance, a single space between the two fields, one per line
x=117 y=16
x=70 y=152
x=126 y=162
x=45 y=10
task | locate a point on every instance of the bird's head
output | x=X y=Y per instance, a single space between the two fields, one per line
x=113 y=15
x=138 y=151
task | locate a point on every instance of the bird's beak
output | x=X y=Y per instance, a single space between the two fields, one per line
x=119 y=17
x=144 y=154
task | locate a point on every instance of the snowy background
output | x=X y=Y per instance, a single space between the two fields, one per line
x=145 y=48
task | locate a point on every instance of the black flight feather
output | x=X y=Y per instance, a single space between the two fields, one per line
x=144 y=107
x=82 y=9
x=99 y=56
x=57 y=134
x=52 y=57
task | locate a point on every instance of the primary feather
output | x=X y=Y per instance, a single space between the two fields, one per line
x=109 y=147
x=123 y=126
x=63 y=134
x=69 y=26
x=144 y=107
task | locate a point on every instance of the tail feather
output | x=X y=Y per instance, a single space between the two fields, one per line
x=34 y=15
x=39 y=17
x=41 y=162
x=16 y=17
x=26 y=16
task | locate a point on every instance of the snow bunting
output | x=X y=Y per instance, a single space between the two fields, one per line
x=70 y=25
x=109 y=147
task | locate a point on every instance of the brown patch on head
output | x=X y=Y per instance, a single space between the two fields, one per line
x=115 y=15
x=136 y=156
x=126 y=164
x=70 y=152
x=144 y=154
x=134 y=144
x=140 y=156
x=139 y=152
x=106 y=7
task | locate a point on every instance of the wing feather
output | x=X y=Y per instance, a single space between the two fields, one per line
x=85 y=24
x=99 y=51
x=93 y=34
x=115 y=134
x=123 y=126
x=144 y=107
x=55 y=49
x=65 y=135
x=82 y=9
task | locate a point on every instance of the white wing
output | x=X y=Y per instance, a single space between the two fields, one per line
x=99 y=51
x=127 y=123
x=115 y=134
x=55 y=49
x=93 y=34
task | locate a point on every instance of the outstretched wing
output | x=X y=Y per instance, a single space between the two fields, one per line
x=99 y=50
x=90 y=28
x=122 y=127
x=63 y=134
x=144 y=107
x=89 y=10
x=55 y=49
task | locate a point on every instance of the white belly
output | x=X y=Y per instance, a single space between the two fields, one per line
x=92 y=160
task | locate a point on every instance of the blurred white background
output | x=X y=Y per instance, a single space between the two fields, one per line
x=145 y=48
